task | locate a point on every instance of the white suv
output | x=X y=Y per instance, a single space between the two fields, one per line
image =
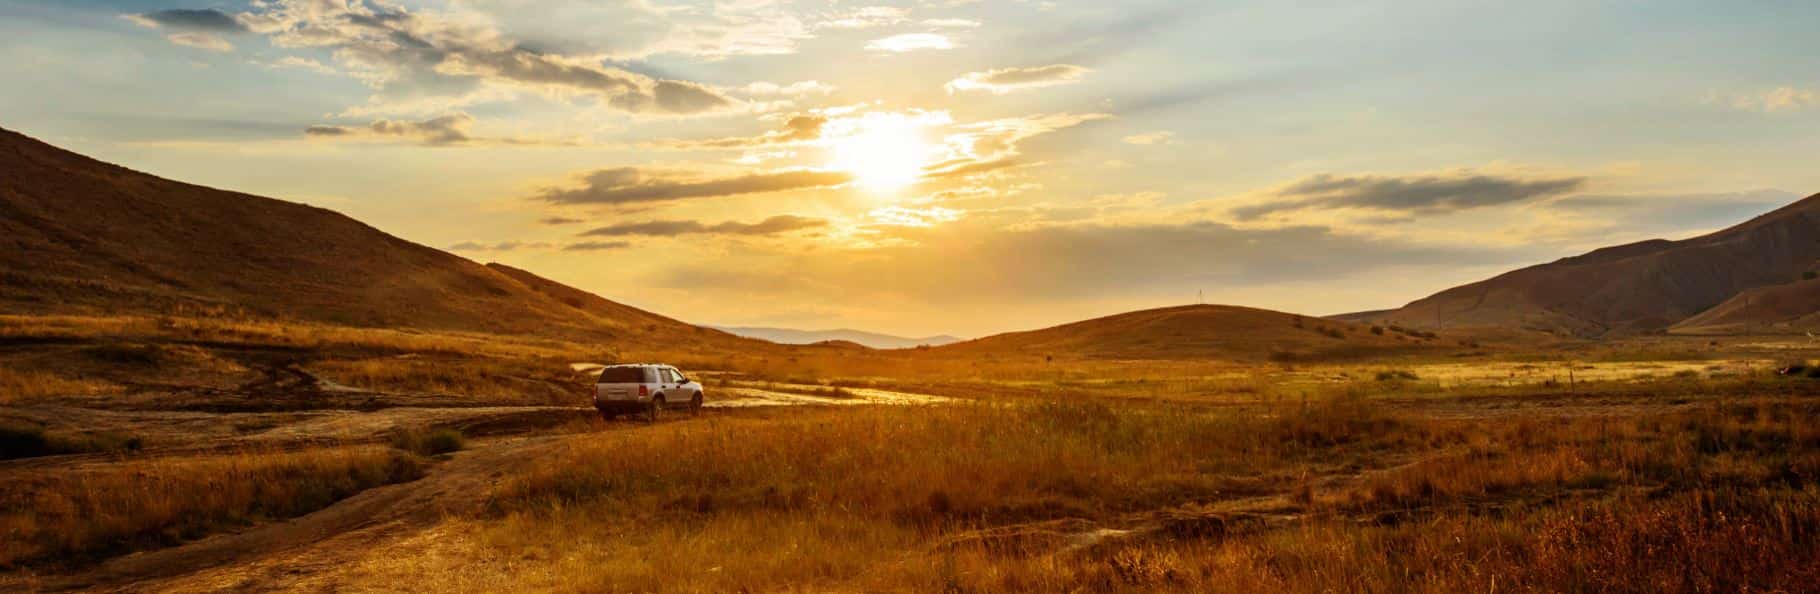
x=644 y=388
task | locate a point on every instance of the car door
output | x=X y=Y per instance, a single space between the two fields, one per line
x=684 y=391
x=666 y=383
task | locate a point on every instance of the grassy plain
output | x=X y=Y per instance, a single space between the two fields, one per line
x=1661 y=465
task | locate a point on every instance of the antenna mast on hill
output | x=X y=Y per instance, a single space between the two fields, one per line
x=1200 y=297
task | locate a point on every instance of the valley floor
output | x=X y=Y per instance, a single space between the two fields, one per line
x=142 y=463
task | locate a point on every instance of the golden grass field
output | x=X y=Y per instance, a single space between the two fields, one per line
x=466 y=463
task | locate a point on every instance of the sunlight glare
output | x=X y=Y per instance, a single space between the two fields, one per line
x=884 y=154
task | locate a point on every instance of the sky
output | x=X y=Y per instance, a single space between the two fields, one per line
x=956 y=167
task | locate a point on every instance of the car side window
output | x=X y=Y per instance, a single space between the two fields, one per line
x=651 y=376
x=669 y=376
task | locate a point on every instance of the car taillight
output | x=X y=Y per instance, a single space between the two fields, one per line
x=643 y=391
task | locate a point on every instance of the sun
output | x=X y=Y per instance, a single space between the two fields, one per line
x=884 y=154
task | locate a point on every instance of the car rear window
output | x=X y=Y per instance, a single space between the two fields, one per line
x=622 y=375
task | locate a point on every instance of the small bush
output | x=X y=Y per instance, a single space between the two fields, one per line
x=429 y=443
x=29 y=442
x=1397 y=375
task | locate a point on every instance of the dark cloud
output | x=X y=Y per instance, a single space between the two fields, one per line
x=1409 y=195
x=771 y=226
x=560 y=220
x=595 y=246
x=632 y=185
x=206 y=20
x=799 y=128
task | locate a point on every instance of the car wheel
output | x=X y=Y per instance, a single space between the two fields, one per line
x=655 y=410
x=695 y=405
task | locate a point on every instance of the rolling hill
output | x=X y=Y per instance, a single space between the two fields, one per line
x=1202 y=332
x=79 y=236
x=1791 y=307
x=1640 y=287
x=858 y=337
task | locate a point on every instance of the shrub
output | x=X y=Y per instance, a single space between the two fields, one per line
x=28 y=442
x=1397 y=375
x=429 y=443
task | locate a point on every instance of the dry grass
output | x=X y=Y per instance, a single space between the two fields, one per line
x=90 y=511
x=24 y=386
x=1702 y=541
x=894 y=500
x=523 y=381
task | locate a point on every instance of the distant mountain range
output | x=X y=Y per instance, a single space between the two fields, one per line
x=859 y=337
x=1752 y=277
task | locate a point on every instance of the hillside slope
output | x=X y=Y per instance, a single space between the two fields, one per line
x=1640 y=287
x=1200 y=332
x=857 y=337
x=80 y=236
x=1791 y=307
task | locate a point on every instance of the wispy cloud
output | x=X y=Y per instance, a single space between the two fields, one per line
x=1005 y=80
x=633 y=185
x=911 y=42
x=448 y=130
x=1151 y=138
x=1779 y=99
x=776 y=225
x=798 y=128
x=1428 y=194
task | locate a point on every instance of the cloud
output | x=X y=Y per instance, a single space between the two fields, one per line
x=203 y=41
x=631 y=30
x=421 y=60
x=1005 y=80
x=1669 y=215
x=207 y=20
x=442 y=131
x=795 y=89
x=1000 y=263
x=867 y=17
x=560 y=220
x=1151 y=138
x=796 y=129
x=910 y=42
x=595 y=246
x=952 y=23
x=914 y=217
x=298 y=63
x=776 y=225
x=983 y=147
x=503 y=246
x=510 y=246
x=1780 y=99
x=448 y=130
x=1408 y=195
x=633 y=185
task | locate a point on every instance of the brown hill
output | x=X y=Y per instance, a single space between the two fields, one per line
x=82 y=236
x=1791 y=307
x=1639 y=287
x=1201 y=332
